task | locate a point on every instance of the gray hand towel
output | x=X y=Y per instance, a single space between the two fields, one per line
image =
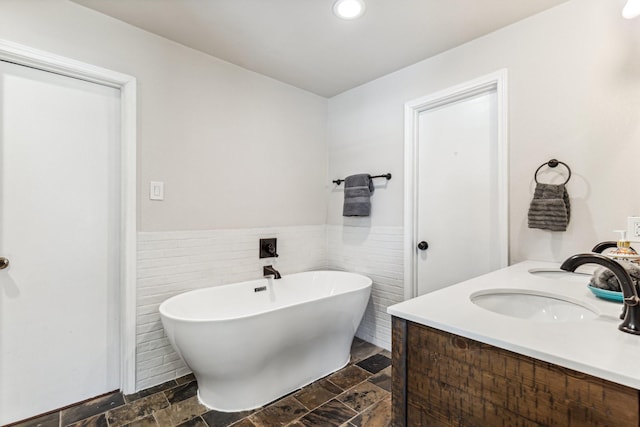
x=603 y=278
x=550 y=208
x=357 y=193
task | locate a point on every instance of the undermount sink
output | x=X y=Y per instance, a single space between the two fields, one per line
x=532 y=305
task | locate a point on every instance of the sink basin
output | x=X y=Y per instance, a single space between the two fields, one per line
x=531 y=305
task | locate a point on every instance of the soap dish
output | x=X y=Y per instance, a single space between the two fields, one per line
x=605 y=294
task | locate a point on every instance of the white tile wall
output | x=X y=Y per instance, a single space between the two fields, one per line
x=376 y=252
x=173 y=262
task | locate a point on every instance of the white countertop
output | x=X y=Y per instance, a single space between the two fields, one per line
x=595 y=346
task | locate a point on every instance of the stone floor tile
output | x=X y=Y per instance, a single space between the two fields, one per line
x=383 y=379
x=49 y=420
x=378 y=415
x=148 y=421
x=95 y=421
x=186 y=379
x=149 y=391
x=180 y=412
x=347 y=377
x=315 y=394
x=331 y=414
x=280 y=413
x=386 y=353
x=90 y=408
x=195 y=422
x=362 y=396
x=244 y=423
x=375 y=363
x=361 y=350
x=181 y=392
x=223 y=419
x=140 y=408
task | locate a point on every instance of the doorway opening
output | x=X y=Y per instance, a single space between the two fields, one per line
x=456 y=184
x=126 y=85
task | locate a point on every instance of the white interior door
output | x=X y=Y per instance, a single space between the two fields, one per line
x=457 y=194
x=59 y=229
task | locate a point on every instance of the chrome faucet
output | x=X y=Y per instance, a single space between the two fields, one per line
x=268 y=270
x=631 y=309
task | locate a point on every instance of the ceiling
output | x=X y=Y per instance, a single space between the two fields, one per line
x=302 y=43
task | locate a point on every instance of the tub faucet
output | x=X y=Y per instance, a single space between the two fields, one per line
x=268 y=270
x=631 y=309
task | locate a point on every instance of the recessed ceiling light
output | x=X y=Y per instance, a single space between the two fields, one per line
x=348 y=9
x=631 y=9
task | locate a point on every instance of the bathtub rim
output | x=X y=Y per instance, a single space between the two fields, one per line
x=164 y=314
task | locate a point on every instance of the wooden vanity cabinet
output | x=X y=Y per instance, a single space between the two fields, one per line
x=441 y=379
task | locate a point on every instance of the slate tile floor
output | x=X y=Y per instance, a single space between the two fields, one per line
x=359 y=395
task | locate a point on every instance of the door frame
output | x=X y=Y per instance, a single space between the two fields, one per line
x=34 y=58
x=412 y=110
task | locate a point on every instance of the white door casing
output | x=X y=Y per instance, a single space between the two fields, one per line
x=469 y=98
x=59 y=227
x=24 y=55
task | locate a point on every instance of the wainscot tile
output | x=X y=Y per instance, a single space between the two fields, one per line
x=91 y=408
x=379 y=415
x=223 y=419
x=362 y=396
x=196 y=422
x=49 y=420
x=181 y=392
x=317 y=393
x=383 y=379
x=280 y=413
x=347 y=377
x=149 y=391
x=375 y=363
x=140 y=408
x=147 y=421
x=95 y=421
x=332 y=413
x=180 y=412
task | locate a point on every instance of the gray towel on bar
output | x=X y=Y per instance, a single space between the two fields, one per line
x=357 y=193
x=550 y=208
x=603 y=278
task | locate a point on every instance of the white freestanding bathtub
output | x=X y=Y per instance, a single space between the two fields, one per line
x=252 y=342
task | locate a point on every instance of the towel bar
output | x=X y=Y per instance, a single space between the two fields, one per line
x=386 y=175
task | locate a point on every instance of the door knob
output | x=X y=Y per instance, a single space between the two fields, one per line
x=423 y=246
x=4 y=263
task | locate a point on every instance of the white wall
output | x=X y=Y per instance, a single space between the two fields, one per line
x=240 y=151
x=574 y=94
x=234 y=148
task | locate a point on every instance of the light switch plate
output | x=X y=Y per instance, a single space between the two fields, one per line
x=156 y=190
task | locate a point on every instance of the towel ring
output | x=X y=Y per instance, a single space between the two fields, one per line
x=552 y=164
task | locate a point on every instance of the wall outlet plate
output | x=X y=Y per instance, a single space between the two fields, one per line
x=633 y=228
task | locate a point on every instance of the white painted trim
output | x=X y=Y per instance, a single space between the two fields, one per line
x=412 y=110
x=24 y=55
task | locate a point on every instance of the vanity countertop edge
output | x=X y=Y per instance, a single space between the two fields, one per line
x=592 y=346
